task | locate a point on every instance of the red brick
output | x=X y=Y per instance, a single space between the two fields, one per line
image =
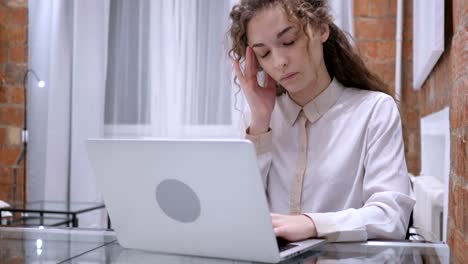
x=465 y=216
x=11 y=95
x=9 y=155
x=441 y=74
x=13 y=136
x=3 y=55
x=408 y=28
x=461 y=156
x=457 y=107
x=451 y=194
x=6 y=175
x=407 y=49
x=3 y=15
x=411 y=119
x=413 y=164
x=14 y=73
x=367 y=28
x=464 y=11
x=378 y=8
x=465 y=161
x=386 y=50
x=458 y=217
x=3 y=36
x=392 y=10
x=458 y=248
x=388 y=28
x=15 y=95
x=16 y=3
x=6 y=192
x=17 y=35
x=12 y=116
x=368 y=49
x=17 y=54
x=456 y=13
x=3 y=133
x=386 y=71
x=407 y=8
x=19 y=16
x=409 y=95
x=3 y=95
x=461 y=53
x=361 y=7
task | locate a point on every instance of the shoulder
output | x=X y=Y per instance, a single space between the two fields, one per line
x=371 y=102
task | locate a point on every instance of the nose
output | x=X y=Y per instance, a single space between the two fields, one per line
x=280 y=60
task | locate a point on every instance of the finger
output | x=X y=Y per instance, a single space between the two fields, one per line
x=275 y=216
x=238 y=70
x=280 y=231
x=276 y=223
x=251 y=64
x=270 y=84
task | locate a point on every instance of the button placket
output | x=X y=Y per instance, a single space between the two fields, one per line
x=297 y=183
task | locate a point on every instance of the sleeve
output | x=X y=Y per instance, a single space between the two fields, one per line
x=263 y=146
x=386 y=186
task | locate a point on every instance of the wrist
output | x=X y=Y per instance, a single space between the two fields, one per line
x=311 y=229
x=259 y=127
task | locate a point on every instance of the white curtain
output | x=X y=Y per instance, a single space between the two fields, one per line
x=342 y=11
x=67 y=47
x=184 y=89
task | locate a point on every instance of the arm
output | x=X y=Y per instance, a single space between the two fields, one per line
x=386 y=187
x=263 y=147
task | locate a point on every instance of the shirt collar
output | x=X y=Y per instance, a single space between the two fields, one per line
x=314 y=109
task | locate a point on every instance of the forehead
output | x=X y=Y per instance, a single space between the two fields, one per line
x=266 y=24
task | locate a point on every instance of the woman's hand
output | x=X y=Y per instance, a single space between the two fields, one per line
x=260 y=99
x=293 y=227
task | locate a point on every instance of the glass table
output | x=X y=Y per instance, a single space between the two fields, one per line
x=50 y=213
x=52 y=245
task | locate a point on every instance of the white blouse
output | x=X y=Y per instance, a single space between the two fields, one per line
x=340 y=160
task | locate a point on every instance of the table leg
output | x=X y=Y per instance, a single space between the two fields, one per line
x=74 y=220
x=41 y=218
x=108 y=222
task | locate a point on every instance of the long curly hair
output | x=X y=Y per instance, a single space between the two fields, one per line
x=342 y=59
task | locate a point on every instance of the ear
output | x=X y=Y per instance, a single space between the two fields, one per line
x=324 y=32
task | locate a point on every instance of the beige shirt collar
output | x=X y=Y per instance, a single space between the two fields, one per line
x=315 y=108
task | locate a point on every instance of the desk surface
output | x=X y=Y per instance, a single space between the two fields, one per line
x=26 y=245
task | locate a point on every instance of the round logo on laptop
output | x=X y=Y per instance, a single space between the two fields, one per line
x=178 y=201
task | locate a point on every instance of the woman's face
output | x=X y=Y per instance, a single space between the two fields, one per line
x=281 y=49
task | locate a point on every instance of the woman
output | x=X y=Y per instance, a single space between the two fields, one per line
x=326 y=130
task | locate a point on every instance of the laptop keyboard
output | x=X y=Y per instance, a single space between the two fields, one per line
x=283 y=244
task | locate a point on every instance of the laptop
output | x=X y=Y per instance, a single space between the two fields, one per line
x=189 y=197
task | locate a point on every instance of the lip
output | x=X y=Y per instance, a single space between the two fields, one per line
x=288 y=76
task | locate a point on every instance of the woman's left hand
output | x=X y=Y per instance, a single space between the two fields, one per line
x=293 y=227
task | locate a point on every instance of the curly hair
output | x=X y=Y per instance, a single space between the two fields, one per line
x=342 y=59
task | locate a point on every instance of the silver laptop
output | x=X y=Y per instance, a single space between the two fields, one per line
x=190 y=197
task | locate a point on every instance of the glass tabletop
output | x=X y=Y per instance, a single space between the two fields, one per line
x=43 y=245
x=38 y=221
x=56 y=206
x=53 y=245
x=369 y=252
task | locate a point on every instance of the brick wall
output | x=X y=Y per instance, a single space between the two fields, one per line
x=375 y=29
x=13 y=65
x=455 y=65
x=447 y=85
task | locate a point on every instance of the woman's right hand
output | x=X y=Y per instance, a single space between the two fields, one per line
x=260 y=99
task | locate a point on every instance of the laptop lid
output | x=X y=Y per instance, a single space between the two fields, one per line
x=191 y=197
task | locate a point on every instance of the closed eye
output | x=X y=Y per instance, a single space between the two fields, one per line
x=285 y=44
x=266 y=54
